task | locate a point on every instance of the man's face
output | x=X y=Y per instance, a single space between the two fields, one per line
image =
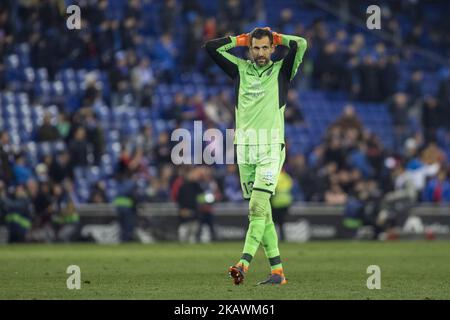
x=261 y=50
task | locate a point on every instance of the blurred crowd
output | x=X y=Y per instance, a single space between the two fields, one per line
x=140 y=49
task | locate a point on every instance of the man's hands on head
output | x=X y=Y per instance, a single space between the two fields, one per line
x=277 y=39
x=244 y=39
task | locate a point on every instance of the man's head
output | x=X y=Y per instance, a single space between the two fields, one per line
x=261 y=46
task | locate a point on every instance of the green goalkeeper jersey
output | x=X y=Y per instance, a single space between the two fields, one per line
x=261 y=92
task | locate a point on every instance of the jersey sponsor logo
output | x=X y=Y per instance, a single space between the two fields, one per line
x=256 y=85
x=255 y=89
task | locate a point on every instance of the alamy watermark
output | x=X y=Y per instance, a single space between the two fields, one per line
x=74 y=280
x=374 y=17
x=74 y=19
x=374 y=280
x=251 y=145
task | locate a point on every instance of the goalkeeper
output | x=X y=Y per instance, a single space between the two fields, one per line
x=261 y=87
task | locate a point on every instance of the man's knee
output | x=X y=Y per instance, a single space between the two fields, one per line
x=259 y=206
x=257 y=209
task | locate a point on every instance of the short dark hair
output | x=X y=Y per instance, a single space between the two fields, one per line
x=260 y=33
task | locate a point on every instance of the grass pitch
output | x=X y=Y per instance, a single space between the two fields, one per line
x=315 y=270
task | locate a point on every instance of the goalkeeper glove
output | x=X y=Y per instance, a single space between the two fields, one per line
x=243 y=40
x=277 y=38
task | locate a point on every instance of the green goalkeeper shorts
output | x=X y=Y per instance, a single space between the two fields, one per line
x=259 y=167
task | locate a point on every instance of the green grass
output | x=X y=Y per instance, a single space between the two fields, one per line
x=316 y=270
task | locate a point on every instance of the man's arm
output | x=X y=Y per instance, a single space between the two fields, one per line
x=217 y=49
x=297 y=47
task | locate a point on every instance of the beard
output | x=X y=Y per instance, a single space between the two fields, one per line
x=261 y=61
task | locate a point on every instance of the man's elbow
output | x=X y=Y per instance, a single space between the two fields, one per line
x=302 y=43
x=207 y=45
x=210 y=46
x=214 y=44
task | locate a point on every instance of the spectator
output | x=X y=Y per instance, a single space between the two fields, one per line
x=65 y=217
x=293 y=113
x=217 y=112
x=437 y=189
x=415 y=86
x=63 y=125
x=194 y=39
x=18 y=214
x=195 y=108
x=175 y=111
x=304 y=176
x=335 y=153
x=146 y=142
x=231 y=12
x=335 y=195
x=232 y=186
x=286 y=24
x=349 y=120
x=400 y=109
x=129 y=35
x=119 y=78
x=168 y=15
x=78 y=149
x=43 y=204
x=188 y=206
x=388 y=76
x=70 y=190
x=22 y=172
x=369 y=83
x=92 y=94
x=444 y=97
x=162 y=150
x=430 y=118
x=328 y=68
x=125 y=203
x=43 y=168
x=47 y=131
x=61 y=167
x=6 y=158
x=210 y=195
x=98 y=193
x=94 y=136
x=143 y=83
x=177 y=183
x=165 y=54
x=133 y=9
x=165 y=181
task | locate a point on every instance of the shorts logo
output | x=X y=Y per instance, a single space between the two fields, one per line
x=268 y=178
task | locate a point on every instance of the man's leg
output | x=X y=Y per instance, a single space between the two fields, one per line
x=267 y=177
x=259 y=205
x=259 y=209
x=270 y=245
x=247 y=178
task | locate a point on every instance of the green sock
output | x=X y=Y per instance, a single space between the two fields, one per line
x=253 y=238
x=270 y=245
x=246 y=259
x=259 y=208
